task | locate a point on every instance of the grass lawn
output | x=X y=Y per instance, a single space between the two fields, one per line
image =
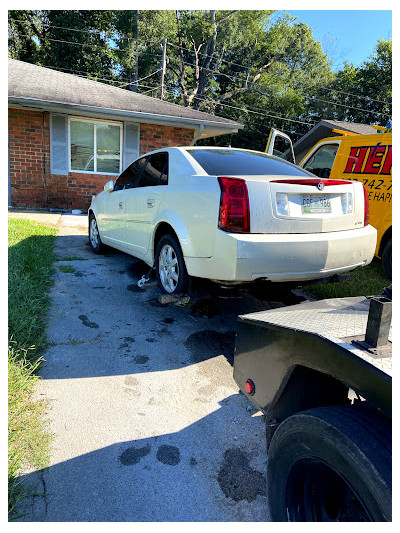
x=30 y=266
x=364 y=281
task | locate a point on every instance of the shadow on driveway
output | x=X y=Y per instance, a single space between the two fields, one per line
x=212 y=470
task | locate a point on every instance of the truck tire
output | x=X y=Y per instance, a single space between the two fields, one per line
x=387 y=259
x=331 y=464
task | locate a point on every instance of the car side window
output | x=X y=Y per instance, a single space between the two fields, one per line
x=155 y=171
x=130 y=176
x=321 y=162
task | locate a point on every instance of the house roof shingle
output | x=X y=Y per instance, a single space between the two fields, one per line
x=48 y=86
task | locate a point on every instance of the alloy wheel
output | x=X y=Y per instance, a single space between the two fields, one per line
x=168 y=268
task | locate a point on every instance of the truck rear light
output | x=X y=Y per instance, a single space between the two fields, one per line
x=234 y=212
x=366 y=207
x=250 y=387
x=282 y=204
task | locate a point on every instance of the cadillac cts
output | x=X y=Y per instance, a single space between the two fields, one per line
x=232 y=215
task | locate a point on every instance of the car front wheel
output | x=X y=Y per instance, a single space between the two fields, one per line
x=94 y=235
x=171 y=271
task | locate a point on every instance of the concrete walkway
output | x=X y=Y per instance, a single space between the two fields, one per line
x=60 y=220
x=148 y=422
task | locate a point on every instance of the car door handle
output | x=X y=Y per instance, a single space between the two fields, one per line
x=121 y=205
x=150 y=203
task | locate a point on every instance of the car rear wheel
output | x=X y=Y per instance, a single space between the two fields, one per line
x=171 y=271
x=94 y=235
x=331 y=464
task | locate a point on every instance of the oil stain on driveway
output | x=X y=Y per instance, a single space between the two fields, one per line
x=148 y=422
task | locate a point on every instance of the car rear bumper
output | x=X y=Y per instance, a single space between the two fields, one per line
x=285 y=257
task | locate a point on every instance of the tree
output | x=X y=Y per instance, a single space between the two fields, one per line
x=362 y=94
x=138 y=36
x=23 y=30
x=78 y=40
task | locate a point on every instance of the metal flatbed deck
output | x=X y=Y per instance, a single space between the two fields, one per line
x=340 y=320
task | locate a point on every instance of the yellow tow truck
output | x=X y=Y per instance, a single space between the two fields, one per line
x=365 y=158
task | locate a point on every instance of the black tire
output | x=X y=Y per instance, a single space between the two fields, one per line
x=94 y=236
x=331 y=464
x=387 y=259
x=171 y=273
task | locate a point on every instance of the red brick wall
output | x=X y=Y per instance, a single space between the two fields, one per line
x=153 y=137
x=29 y=151
x=32 y=185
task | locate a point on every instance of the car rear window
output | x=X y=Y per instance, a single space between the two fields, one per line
x=218 y=162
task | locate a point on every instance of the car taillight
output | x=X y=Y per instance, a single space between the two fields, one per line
x=234 y=212
x=366 y=207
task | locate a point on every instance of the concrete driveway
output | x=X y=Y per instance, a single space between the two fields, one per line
x=148 y=422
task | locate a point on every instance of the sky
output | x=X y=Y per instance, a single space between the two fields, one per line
x=347 y=35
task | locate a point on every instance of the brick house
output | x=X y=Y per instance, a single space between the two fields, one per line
x=69 y=135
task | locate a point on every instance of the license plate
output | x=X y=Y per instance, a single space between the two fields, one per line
x=316 y=204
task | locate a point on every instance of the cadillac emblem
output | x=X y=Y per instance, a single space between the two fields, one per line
x=321 y=186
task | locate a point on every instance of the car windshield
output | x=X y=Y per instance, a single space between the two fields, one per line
x=217 y=162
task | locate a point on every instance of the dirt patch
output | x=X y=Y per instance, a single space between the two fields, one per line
x=238 y=480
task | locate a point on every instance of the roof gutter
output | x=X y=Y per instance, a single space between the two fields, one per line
x=197 y=135
x=150 y=118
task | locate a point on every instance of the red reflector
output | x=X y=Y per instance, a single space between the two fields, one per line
x=313 y=181
x=234 y=212
x=366 y=207
x=250 y=387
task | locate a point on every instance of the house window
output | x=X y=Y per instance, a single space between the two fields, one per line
x=95 y=146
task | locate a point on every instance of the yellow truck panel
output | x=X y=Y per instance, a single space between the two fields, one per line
x=365 y=158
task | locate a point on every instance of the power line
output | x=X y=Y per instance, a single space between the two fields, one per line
x=357 y=96
x=144 y=52
x=351 y=107
x=222 y=74
x=247 y=110
x=144 y=78
x=191 y=64
x=202 y=54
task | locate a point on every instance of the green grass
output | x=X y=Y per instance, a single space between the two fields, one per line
x=30 y=260
x=71 y=258
x=66 y=268
x=364 y=281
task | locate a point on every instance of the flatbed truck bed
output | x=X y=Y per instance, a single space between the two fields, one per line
x=312 y=371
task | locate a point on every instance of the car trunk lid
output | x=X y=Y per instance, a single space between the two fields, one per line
x=305 y=205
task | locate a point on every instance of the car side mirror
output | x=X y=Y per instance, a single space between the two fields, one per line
x=109 y=186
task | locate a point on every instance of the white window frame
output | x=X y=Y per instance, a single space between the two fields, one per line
x=309 y=154
x=95 y=121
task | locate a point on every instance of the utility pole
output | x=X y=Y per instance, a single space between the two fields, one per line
x=163 y=63
x=134 y=86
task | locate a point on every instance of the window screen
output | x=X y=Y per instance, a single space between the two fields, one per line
x=220 y=162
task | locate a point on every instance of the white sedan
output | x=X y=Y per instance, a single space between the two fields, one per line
x=232 y=215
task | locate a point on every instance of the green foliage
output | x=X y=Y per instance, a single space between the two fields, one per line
x=362 y=94
x=30 y=258
x=364 y=281
x=66 y=269
x=258 y=67
x=30 y=267
x=23 y=29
